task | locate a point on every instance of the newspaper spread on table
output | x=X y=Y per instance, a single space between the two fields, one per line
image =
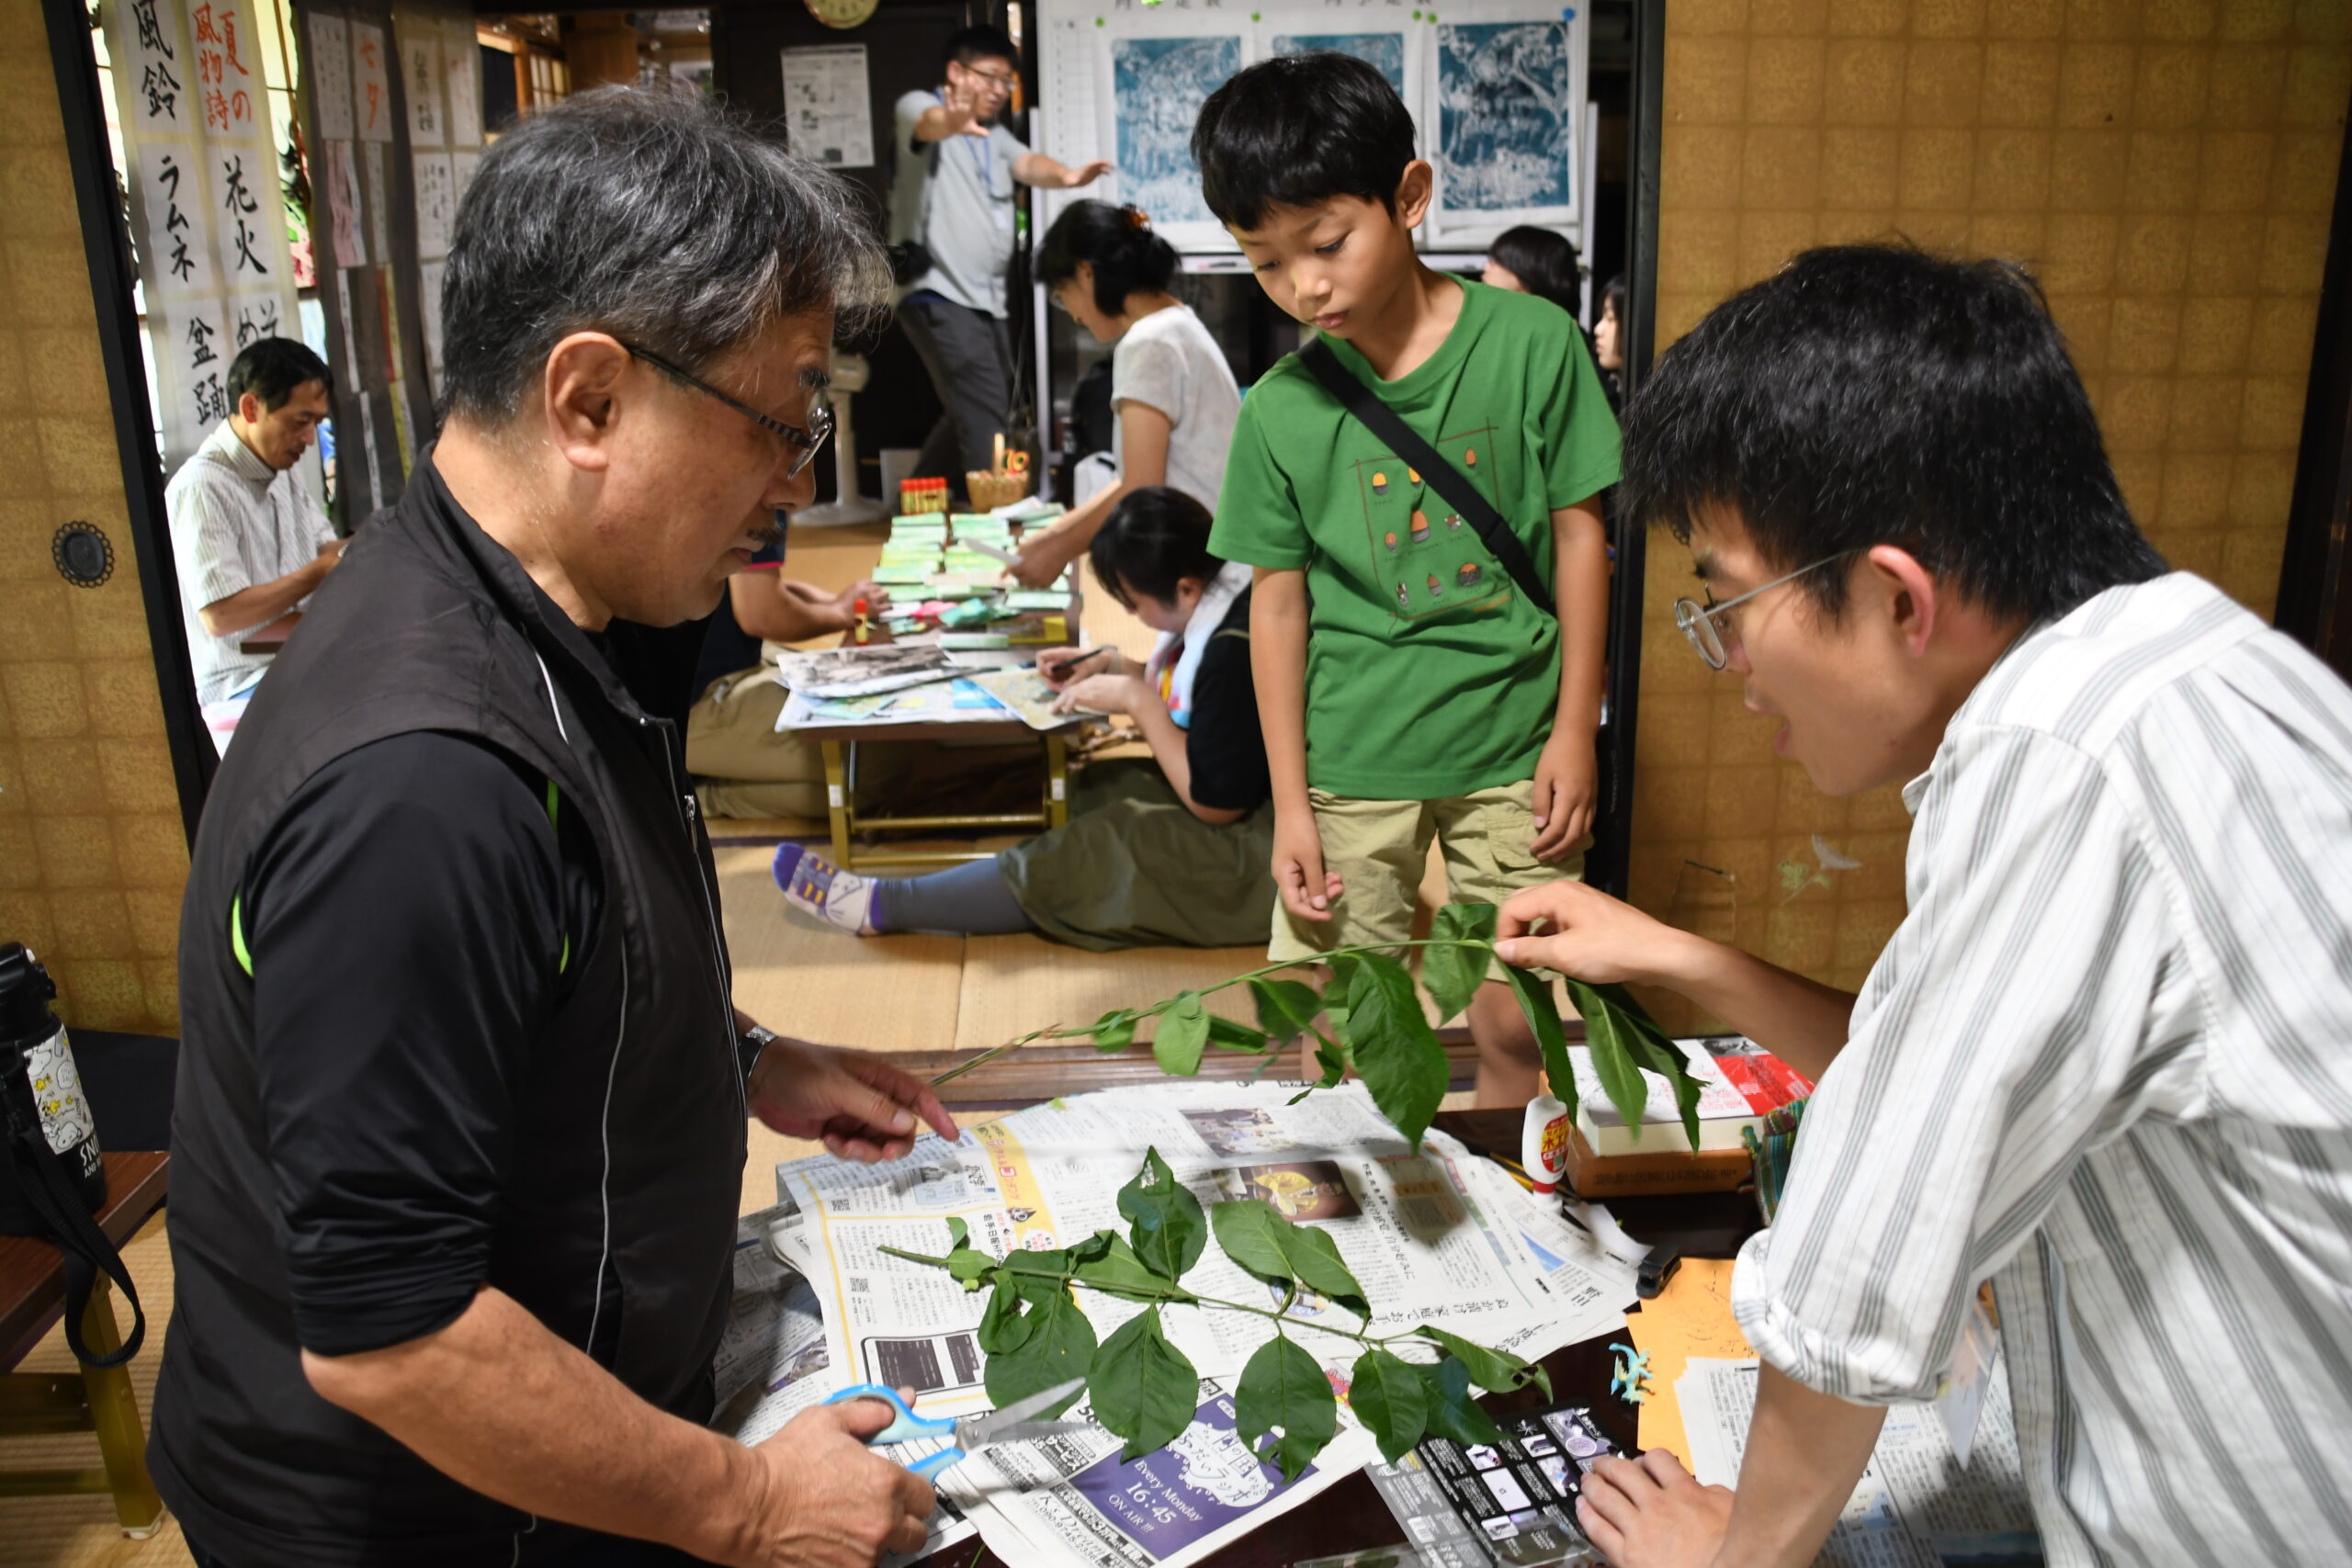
x=1917 y=1505
x=1441 y=1237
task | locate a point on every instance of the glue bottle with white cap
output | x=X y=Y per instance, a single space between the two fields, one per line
x=1543 y=1145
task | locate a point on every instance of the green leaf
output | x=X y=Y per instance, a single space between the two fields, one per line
x=1002 y=1325
x=1652 y=1050
x=1454 y=974
x=959 y=1235
x=1145 y=1390
x=1164 y=1221
x=1114 y=1030
x=1333 y=1060
x=1452 y=1413
x=1059 y=1347
x=1496 y=1369
x=1250 y=1231
x=1286 y=1009
x=1394 y=1049
x=970 y=1267
x=1228 y=1034
x=1619 y=1053
x=1183 y=1031
x=1391 y=1402
x=1053 y=1262
x=1119 y=1272
x=1314 y=1256
x=1281 y=1387
x=1533 y=993
x=1093 y=1246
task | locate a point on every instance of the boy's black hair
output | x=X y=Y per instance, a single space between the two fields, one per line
x=979 y=42
x=1545 y=262
x=1873 y=394
x=271 y=368
x=1153 y=540
x=1126 y=255
x=1298 y=129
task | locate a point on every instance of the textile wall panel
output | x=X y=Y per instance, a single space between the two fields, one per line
x=92 y=857
x=2165 y=167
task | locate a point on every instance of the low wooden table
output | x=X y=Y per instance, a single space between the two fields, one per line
x=1351 y=1516
x=836 y=745
x=32 y=1296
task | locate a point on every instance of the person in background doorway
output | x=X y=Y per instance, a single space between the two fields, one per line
x=1174 y=393
x=1174 y=851
x=1529 y=260
x=249 y=542
x=1609 y=342
x=952 y=196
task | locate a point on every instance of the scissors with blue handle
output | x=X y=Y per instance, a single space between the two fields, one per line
x=964 y=1435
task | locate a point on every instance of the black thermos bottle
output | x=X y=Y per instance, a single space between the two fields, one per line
x=39 y=1086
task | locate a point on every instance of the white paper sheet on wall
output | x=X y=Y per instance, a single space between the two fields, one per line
x=379 y=198
x=329 y=70
x=437 y=204
x=177 y=255
x=420 y=82
x=828 y=107
x=461 y=70
x=346 y=233
x=371 y=86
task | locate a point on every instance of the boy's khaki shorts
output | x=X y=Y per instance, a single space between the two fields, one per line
x=1379 y=848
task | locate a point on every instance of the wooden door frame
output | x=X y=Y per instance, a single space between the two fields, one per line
x=2314 y=601
x=105 y=245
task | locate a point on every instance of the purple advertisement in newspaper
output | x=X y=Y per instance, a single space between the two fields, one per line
x=1174 y=1496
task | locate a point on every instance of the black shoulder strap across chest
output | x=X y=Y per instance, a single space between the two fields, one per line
x=1443 y=477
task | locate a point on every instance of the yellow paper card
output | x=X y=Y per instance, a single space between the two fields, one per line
x=1690 y=1317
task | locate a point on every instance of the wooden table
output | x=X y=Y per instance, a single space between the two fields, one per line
x=1351 y=1516
x=32 y=1296
x=838 y=747
x=270 y=638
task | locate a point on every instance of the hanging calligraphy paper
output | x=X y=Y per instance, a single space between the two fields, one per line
x=462 y=167
x=194 y=348
x=437 y=204
x=421 y=79
x=371 y=86
x=461 y=67
x=380 y=203
x=342 y=182
x=177 y=257
x=328 y=71
x=150 y=69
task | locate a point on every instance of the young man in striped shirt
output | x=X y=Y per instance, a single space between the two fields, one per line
x=2102 y=1061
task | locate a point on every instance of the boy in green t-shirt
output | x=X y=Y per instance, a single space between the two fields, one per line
x=1406 y=687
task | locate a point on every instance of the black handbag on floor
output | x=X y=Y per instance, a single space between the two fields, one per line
x=1443 y=477
x=52 y=1178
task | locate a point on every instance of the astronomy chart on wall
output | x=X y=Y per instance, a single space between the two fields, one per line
x=1496 y=87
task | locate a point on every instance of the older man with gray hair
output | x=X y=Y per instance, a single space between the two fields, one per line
x=462 y=1094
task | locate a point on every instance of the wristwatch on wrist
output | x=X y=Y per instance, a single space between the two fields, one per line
x=750 y=1043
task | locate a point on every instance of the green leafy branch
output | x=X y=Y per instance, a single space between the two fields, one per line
x=1145 y=1390
x=1377 y=1030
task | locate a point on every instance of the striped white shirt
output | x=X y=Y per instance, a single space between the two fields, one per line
x=2106 y=1062
x=235 y=521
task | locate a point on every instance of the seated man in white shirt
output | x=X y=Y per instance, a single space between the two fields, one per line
x=2101 y=1064
x=250 y=543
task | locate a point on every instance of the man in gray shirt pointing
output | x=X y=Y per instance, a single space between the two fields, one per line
x=952 y=193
